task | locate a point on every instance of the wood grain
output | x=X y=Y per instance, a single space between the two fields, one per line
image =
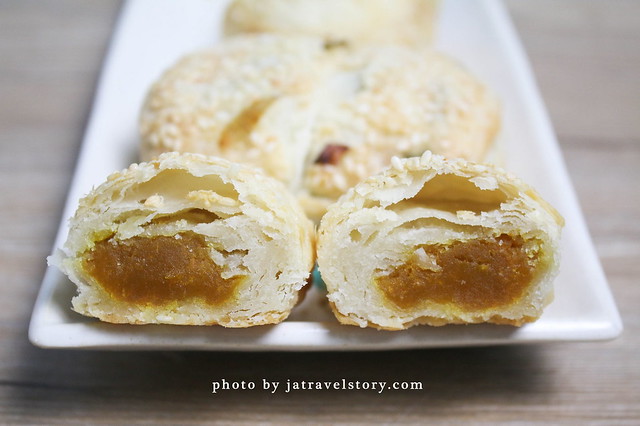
x=586 y=55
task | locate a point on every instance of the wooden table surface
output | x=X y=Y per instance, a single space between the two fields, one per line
x=586 y=55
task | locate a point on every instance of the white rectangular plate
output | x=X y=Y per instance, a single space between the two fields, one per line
x=152 y=34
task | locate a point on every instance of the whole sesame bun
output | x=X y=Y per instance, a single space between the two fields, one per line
x=353 y=21
x=436 y=241
x=187 y=239
x=318 y=117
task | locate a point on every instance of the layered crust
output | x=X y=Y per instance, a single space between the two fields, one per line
x=186 y=239
x=435 y=241
x=318 y=117
x=354 y=21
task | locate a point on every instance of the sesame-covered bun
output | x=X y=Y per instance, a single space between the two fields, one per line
x=435 y=241
x=353 y=21
x=398 y=102
x=187 y=239
x=238 y=101
x=318 y=117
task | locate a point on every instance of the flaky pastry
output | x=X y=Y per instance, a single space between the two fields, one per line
x=436 y=241
x=186 y=239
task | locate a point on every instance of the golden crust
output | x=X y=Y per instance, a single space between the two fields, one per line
x=252 y=226
x=432 y=201
x=280 y=103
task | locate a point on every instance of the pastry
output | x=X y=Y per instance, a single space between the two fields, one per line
x=186 y=239
x=436 y=241
x=337 y=21
x=403 y=103
x=319 y=118
x=235 y=101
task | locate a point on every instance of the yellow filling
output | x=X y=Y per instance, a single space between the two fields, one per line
x=472 y=275
x=158 y=270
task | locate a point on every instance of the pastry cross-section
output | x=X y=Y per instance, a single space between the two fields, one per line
x=188 y=239
x=436 y=241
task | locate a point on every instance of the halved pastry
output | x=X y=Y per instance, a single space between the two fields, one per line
x=187 y=239
x=352 y=21
x=435 y=241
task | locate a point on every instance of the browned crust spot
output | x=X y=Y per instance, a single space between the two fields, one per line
x=331 y=154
